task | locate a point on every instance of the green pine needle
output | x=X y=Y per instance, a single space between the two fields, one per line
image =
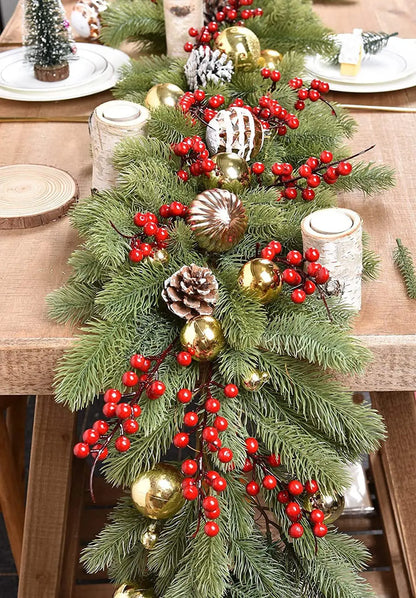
x=404 y=262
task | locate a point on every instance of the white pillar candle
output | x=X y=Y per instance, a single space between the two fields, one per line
x=180 y=15
x=337 y=234
x=109 y=124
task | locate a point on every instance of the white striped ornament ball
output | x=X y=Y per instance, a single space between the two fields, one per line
x=235 y=130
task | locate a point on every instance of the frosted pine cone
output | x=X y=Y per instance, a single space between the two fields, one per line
x=206 y=65
x=191 y=291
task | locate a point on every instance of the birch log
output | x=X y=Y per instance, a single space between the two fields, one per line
x=109 y=124
x=337 y=234
x=180 y=15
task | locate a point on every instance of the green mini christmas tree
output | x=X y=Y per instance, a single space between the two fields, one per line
x=48 y=40
x=209 y=334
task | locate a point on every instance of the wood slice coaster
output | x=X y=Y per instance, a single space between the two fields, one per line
x=33 y=194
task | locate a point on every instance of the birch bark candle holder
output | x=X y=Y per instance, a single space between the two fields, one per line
x=337 y=234
x=180 y=15
x=109 y=124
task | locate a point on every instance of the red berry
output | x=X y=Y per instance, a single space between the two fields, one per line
x=209 y=434
x=257 y=167
x=99 y=452
x=344 y=168
x=155 y=390
x=162 y=234
x=295 y=487
x=220 y=16
x=273 y=460
x=323 y=87
x=276 y=246
x=212 y=405
x=289 y=276
x=130 y=379
x=112 y=395
x=190 y=492
x=296 y=530
x=258 y=12
x=146 y=365
x=188 y=46
x=305 y=171
x=317 y=516
x=269 y=482
x=320 y=530
x=190 y=419
x=212 y=27
x=308 y=194
x=326 y=157
x=136 y=410
x=182 y=174
x=150 y=228
x=136 y=255
x=193 y=32
x=265 y=73
x=212 y=514
x=130 y=426
x=290 y=193
x=101 y=427
x=322 y=275
x=122 y=444
x=283 y=497
x=220 y=423
x=123 y=410
x=303 y=94
x=139 y=219
x=275 y=76
x=314 y=95
x=211 y=476
x=189 y=467
x=248 y=465
x=314 y=180
x=293 y=510
x=225 y=455
x=311 y=486
x=109 y=409
x=268 y=253
x=210 y=503
x=300 y=105
x=278 y=169
x=230 y=391
x=312 y=162
x=252 y=446
x=211 y=529
x=309 y=287
x=181 y=440
x=252 y=488
x=188 y=482
x=313 y=269
x=136 y=361
x=294 y=258
x=219 y=484
x=81 y=450
x=184 y=395
x=315 y=84
x=312 y=254
x=298 y=296
x=184 y=358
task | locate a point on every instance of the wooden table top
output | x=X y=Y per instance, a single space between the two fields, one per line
x=34 y=261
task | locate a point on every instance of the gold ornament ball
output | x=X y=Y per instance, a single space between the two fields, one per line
x=241 y=45
x=260 y=278
x=229 y=169
x=255 y=380
x=218 y=219
x=157 y=493
x=131 y=591
x=270 y=59
x=332 y=506
x=149 y=538
x=163 y=94
x=203 y=338
x=160 y=256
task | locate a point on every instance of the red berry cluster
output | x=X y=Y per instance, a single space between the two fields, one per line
x=176 y=209
x=295 y=512
x=273 y=117
x=234 y=13
x=254 y=462
x=199 y=106
x=302 y=272
x=313 y=93
x=140 y=245
x=194 y=156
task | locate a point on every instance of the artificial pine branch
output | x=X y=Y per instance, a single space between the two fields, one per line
x=404 y=262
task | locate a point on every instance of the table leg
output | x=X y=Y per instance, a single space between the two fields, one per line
x=398 y=458
x=47 y=500
x=16 y=425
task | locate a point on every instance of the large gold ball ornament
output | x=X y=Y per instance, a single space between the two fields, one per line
x=229 y=169
x=163 y=94
x=157 y=493
x=131 y=591
x=260 y=278
x=270 y=59
x=332 y=506
x=241 y=45
x=235 y=130
x=203 y=338
x=255 y=380
x=218 y=219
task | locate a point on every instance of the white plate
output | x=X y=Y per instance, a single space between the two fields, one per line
x=375 y=88
x=107 y=79
x=396 y=61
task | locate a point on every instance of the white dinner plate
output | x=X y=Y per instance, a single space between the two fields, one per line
x=106 y=67
x=397 y=61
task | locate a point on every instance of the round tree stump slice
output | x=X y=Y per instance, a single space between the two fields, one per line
x=32 y=195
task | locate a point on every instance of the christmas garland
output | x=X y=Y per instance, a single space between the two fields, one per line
x=193 y=282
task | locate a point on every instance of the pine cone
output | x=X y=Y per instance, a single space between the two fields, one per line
x=206 y=65
x=211 y=7
x=191 y=291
